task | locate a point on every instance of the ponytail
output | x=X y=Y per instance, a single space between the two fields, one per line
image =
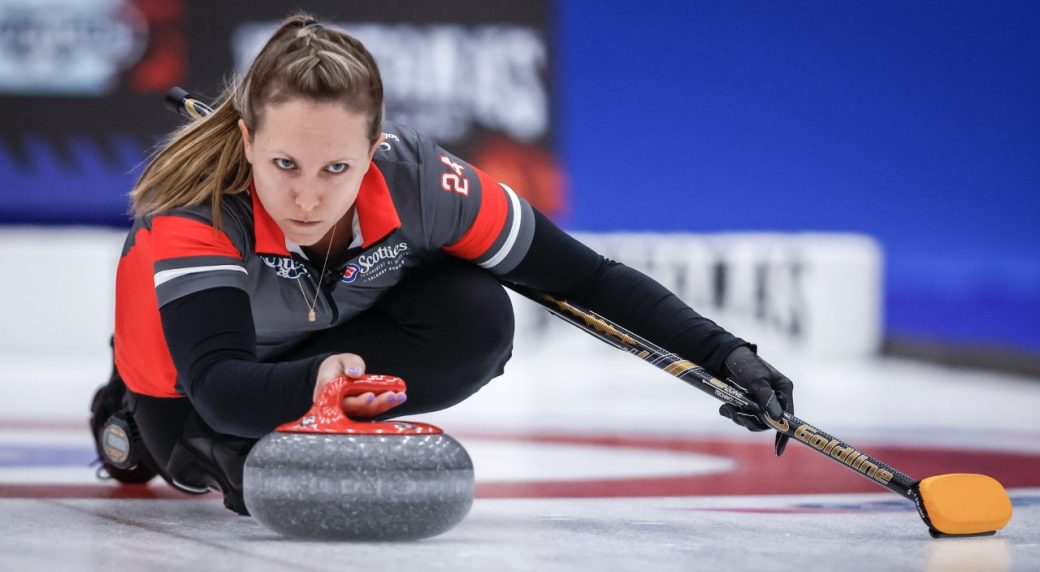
x=203 y=160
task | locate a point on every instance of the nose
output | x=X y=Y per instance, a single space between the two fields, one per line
x=306 y=195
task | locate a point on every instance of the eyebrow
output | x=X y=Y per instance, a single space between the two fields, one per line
x=293 y=159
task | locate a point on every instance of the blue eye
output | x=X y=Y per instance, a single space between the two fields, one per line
x=336 y=168
x=284 y=164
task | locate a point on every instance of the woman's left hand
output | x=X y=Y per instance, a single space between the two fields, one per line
x=766 y=386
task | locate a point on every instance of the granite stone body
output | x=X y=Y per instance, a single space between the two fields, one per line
x=358 y=487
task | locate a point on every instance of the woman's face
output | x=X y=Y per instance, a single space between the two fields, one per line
x=308 y=160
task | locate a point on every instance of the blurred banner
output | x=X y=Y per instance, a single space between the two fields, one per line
x=82 y=83
x=805 y=294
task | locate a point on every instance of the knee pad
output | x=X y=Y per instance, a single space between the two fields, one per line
x=118 y=443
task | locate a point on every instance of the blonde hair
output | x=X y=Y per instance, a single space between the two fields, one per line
x=205 y=159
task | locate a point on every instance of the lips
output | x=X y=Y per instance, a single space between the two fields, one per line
x=305 y=223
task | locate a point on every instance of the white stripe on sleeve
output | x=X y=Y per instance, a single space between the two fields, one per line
x=166 y=275
x=514 y=231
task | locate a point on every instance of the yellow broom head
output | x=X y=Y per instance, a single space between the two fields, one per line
x=962 y=503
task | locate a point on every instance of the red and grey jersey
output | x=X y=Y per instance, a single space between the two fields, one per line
x=416 y=202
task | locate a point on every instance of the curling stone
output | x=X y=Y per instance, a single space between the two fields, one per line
x=329 y=477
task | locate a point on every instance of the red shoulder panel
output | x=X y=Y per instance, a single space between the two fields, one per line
x=177 y=237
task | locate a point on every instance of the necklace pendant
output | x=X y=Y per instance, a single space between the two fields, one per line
x=311 y=316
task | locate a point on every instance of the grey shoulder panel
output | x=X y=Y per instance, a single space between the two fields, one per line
x=212 y=277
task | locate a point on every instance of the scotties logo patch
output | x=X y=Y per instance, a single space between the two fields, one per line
x=375 y=263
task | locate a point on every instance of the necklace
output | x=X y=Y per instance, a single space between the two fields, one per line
x=311 y=305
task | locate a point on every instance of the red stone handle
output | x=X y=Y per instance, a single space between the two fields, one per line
x=340 y=388
x=327 y=416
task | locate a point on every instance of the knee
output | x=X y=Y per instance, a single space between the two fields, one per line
x=462 y=329
x=480 y=331
x=487 y=323
x=471 y=310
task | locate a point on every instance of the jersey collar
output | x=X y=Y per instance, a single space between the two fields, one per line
x=376 y=216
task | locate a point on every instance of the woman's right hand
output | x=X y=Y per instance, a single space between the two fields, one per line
x=362 y=406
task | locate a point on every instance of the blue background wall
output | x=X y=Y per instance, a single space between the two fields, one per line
x=915 y=122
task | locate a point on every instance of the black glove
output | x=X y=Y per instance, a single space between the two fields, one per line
x=766 y=386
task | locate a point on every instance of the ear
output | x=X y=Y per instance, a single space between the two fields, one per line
x=375 y=146
x=372 y=151
x=247 y=140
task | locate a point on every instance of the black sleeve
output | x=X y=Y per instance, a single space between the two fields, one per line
x=558 y=264
x=212 y=340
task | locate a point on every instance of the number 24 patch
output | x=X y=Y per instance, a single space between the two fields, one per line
x=454 y=181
